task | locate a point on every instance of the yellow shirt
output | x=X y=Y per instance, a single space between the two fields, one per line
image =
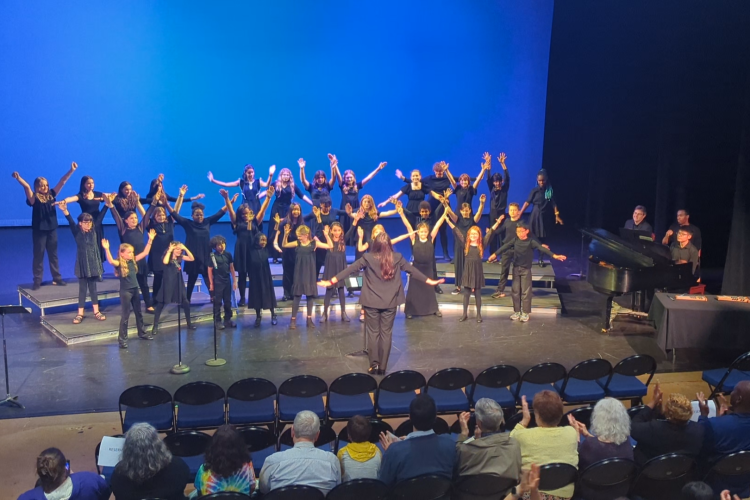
x=548 y=445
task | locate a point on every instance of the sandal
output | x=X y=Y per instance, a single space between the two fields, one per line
x=77 y=320
x=100 y=316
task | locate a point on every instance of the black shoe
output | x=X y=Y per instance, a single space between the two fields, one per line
x=463 y=318
x=59 y=282
x=192 y=326
x=241 y=303
x=229 y=324
x=257 y=321
x=344 y=317
x=36 y=286
x=154 y=330
x=274 y=319
x=123 y=345
x=310 y=322
x=438 y=289
x=145 y=336
x=350 y=295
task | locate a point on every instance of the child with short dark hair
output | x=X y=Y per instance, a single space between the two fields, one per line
x=220 y=275
x=523 y=256
x=683 y=250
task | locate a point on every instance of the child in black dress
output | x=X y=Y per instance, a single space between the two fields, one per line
x=88 y=267
x=543 y=204
x=498 y=186
x=472 y=277
x=284 y=193
x=463 y=221
x=249 y=185
x=320 y=217
x=164 y=227
x=90 y=202
x=304 y=269
x=294 y=220
x=320 y=186
x=220 y=275
x=126 y=268
x=172 y=290
x=334 y=264
x=260 y=291
x=464 y=189
x=350 y=189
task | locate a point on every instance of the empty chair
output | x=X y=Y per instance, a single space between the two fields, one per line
x=297 y=492
x=359 y=489
x=326 y=439
x=622 y=382
x=607 y=479
x=538 y=378
x=580 y=384
x=199 y=405
x=190 y=446
x=722 y=380
x=493 y=383
x=251 y=401
x=556 y=476
x=663 y=477
x=350 y=395
x=427 y=487
x=303 y=392
x=148 y=404
x=396 y=391
x=261 y=443
x=481 y=487
x=440 y=427
x=449 y=388
x=582 y=414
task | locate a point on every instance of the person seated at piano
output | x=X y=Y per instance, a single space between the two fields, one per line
x=683 y=222
x=683 y=250
x=638 y=222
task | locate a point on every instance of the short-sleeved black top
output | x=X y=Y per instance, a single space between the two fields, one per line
x=43 y=215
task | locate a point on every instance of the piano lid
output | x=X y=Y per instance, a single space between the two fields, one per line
x=627 y=253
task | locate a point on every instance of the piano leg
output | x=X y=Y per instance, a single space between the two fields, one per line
x=607 y=313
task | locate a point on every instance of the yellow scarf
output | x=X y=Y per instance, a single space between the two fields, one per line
x=359 y=452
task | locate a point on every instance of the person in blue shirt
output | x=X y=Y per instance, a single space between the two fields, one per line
x=422 y=451
x=56 y=481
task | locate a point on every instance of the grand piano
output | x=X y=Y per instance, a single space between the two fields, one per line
x=619 y=265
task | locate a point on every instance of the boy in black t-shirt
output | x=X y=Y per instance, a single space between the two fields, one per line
x=221 y=277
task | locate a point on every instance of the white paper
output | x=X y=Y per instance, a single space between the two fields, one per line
x=697 y=410
x=110 y=451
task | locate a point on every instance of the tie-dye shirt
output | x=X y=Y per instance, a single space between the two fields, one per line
x=242 y=481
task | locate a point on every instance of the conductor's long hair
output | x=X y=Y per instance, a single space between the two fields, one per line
x=383 y=250
x=474 y=229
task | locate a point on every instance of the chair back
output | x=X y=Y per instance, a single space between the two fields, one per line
x=187 y=443
x=297 y=492
x=497 y=376
x=377 y=426
x=482 y=486
x=353 y=384
x=143 y=396
x=472 y=424
x=440 y=427
x=226 y=495
x=251 y=389
x=607 y=479
x=451 y=379
x=512 y=421
x=591 y=369
x=582 y=414
x=303 y=386
x=635 y=410
x=257 y=438
x=556 y=476
x=327 y=435
x=402 y=381
x=426 y=487
x=664 y=476
x=633 y=366
x=543 y=373
x=734 y=464
x=742 y=363
x=199 y=393
x=360 y=489
x=96 y=453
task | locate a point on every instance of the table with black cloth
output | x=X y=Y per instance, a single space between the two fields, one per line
x=688 y=323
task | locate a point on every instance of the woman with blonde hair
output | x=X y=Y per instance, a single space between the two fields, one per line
x=350 y=188
x=610 y=430
x=284 y=192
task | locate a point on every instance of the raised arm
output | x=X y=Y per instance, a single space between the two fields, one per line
x=372 y=174
x=335 y=169
x=105 y=246
x=399 y=239
x=221 y=183
x=303 y=196
x=228 y=205
x=64 y=178
x=449 y=175
x=102 y=213
x=147 y=217
x=391 y=199
x=262 y=212
x=145 y=252
x=506 y=175
x=439 y=223
x=168 y=254
x=276 y=241
x=535 y=244
x=407 y=224
x=361 y=245
x=187 y=255
x=485 y=167
x=301 y=162
x=328 y=245
x=115 y=214
x=271 y=171
x=26 y=188
x=332 y=180
x=478 y=215
x=74 y=228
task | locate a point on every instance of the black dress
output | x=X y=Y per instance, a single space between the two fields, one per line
x=420 y=298
x=260 y=290
x=464 y=195
x=415 y=197
x=462 y=226
x=197 y=240
x=318 y=192
x=134 y=237
x=92 y=207
x=242 y=246
x=473 y=272
x=542 y=217
x=334 y=264
x=282 y=201
x=250 y=192
x=348 y=196
x=88 y=260
x=172 y=290
x=164 y=236
x=304 y=271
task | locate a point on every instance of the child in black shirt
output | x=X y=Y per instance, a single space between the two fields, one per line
x=220 y=274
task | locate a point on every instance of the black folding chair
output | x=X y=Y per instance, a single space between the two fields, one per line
x=440 y=427
x=482 y=487
x=349 y=395
x=537 y=379
x=377 y=426
x=190 y=446
x=635 y=410
x=104 y=470
x=146 y=404
x=426 y=487
x=449 y=388
x=580 y=384
x=733 y=471
x=582 y=414
x=359 y=489
x=556 y=476
x=303 y=392
x=622 y=382
x=261 y=443
x=199 y=405
x=326 y=439
x=493 y=384
x=664 y=476
x=722 y=381
x=294 y=493
x=226 y=495
x=607 y=479
x=512 y=421
x=251 y=401
x=396 y=391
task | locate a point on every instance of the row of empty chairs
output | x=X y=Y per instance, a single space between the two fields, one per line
x=257 y=401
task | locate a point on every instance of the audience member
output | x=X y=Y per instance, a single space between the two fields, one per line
x=57 y=483
x=676 y=434
x=490 y=451
x=147 y=469
x=610 y=429
x=547 y=443
x=528 y=489
x=304 y=464
x=697 y=490
x=422 y=451
x=228 y=466
x=360 y=459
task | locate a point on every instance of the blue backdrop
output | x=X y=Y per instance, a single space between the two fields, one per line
x=131 y=89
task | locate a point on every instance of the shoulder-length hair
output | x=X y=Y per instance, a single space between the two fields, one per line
x=340 y=245
x=82 y=186
x=122 y=269
x=373 y=212
x=227 y=452
x=353 y=187
x=383 y=250
x=467 y=245
x=610 y=421
x=289 y=220
x=143 y=454
x=280 y=186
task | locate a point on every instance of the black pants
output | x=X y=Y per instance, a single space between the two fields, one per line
x=90 y=284
x=379 y=331
x=505 y=260
x=521 y=289
x=222 y=294
x=288 y=260
x=160 y=306
x=320 y=259
x=242 y=277
x=192 y=278
x=129 y=300
x=158 y=279
x=143 y=285
x=45 y=241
